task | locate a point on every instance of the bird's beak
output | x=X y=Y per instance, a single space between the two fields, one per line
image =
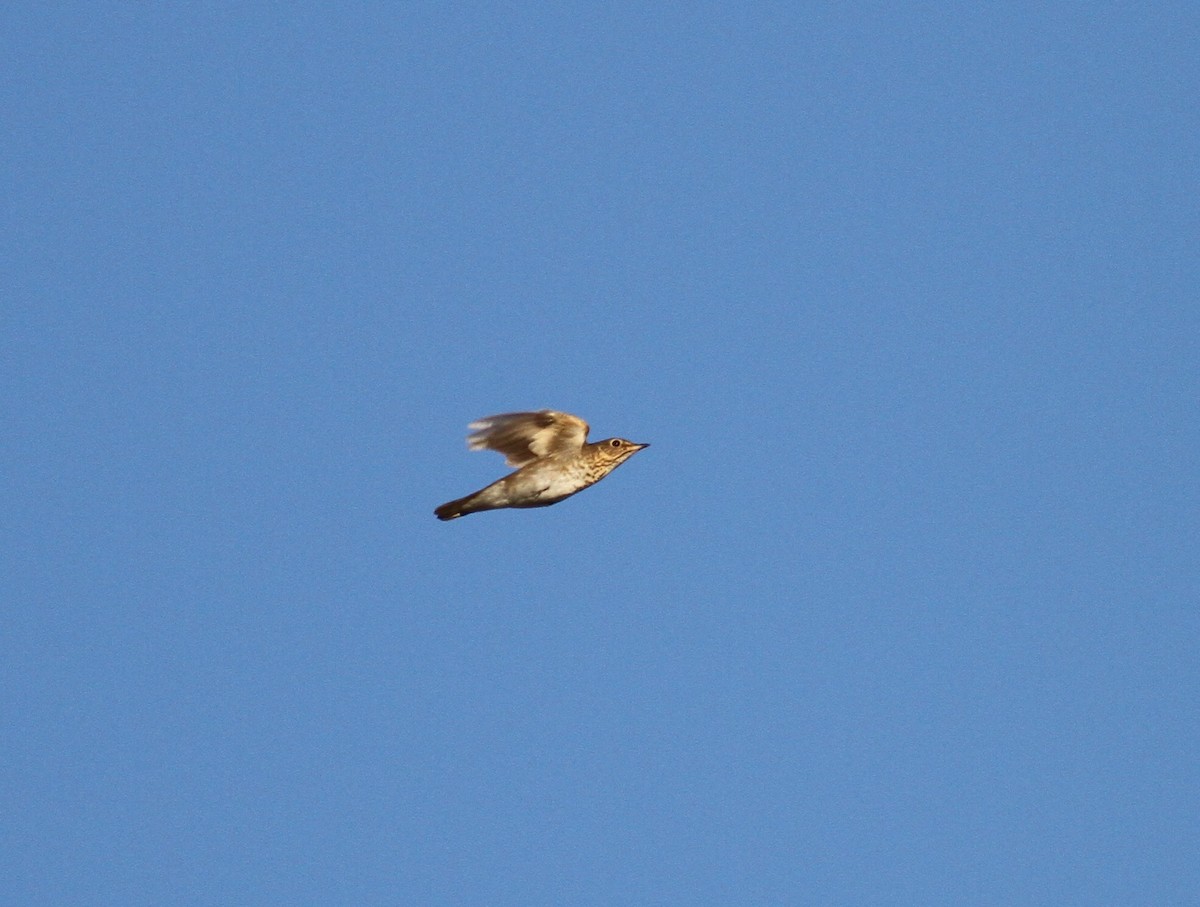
x=642 y=446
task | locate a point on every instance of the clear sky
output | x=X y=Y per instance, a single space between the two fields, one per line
x=901 y=607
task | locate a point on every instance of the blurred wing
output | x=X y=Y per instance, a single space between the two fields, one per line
x=525 y=437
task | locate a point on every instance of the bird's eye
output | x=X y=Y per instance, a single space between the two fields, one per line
x=615 y=442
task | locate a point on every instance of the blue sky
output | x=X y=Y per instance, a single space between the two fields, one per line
x=900 y=607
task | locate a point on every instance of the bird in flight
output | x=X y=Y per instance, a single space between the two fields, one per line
x=552 y=457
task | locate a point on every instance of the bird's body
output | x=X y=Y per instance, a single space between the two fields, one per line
x=553 y=459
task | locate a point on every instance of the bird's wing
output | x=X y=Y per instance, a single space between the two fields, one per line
x=525 y=437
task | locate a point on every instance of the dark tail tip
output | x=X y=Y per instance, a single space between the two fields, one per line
x=449 y=511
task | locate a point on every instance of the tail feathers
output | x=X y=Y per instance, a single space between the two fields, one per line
x=452 y=510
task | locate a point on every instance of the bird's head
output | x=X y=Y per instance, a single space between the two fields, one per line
x=616 y=450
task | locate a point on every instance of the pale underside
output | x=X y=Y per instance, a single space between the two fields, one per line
x=542 y=482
